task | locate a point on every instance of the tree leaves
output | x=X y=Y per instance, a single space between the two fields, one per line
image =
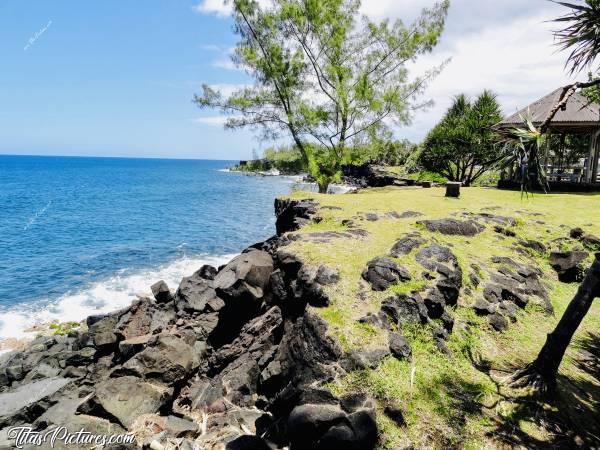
x=323 y=76
x=465 y=144
x=581 y=35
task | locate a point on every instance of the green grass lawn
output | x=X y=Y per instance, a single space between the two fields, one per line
x=459 y=400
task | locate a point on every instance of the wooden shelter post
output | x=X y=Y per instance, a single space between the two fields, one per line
x=547 y=150
x=595 y=158
x=591 y=171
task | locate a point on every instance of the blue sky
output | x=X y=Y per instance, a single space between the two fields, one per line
x=116 y=78
x=111 y=78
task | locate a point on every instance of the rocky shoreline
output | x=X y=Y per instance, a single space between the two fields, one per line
x=237 y=357
x=234 y=359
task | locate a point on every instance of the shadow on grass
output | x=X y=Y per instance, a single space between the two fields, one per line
x=456 y=400
x=571 y=418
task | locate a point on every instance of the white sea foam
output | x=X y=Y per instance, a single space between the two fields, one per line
x=104 y=296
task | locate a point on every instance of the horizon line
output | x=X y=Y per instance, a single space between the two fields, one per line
x=115 y=157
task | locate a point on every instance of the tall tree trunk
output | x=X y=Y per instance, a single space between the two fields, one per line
x=541 y=373
x=323 y=187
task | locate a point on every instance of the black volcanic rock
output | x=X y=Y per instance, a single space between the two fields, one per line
x=293 y=214
x=568 y=265
x=399 y=346
x=161 y=292
x=406 y=245
x=382 y=272
x=453 y=227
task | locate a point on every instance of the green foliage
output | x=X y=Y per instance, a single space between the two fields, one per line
x=288 y=160
x=567 y=149
x=464 y=145
x=580 y=34
x=324 y=78
x=425 y=175
x=527 y=145
x=454 y=400
x=592 y=93
x=489 y=179
x=378 y=150
x=63 y=328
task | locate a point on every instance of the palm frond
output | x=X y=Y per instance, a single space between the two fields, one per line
x=581 y=35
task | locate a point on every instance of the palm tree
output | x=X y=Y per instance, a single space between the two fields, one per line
x=526 y=145
x=580 y=35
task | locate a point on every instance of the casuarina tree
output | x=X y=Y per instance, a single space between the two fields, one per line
x=464 y=145
x=324 y=76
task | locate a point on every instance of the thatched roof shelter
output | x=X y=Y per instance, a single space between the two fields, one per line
x=579 y=116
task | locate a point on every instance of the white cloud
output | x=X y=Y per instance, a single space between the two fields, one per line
x=213 y=121
x=223 y=60
x=217 y=7
x=211 y=48
x=225 y=63
x=407 y=10
x=227 y=89
x=221 y=8
x=504 y=46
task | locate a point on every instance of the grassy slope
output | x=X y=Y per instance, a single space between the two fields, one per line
x=450 y=403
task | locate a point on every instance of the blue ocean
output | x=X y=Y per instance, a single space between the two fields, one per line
x=86 y=235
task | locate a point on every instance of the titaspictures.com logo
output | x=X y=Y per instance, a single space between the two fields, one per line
x=50 y=438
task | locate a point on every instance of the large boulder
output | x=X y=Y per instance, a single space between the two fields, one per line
x=592 y=242
x=399 y=346
x=169 y=359
x=347 y=425
x=246 y=276
x=195 y=292
x=453 y=227
x=138 y=320
x=511 y=286
x=243 y=284
x=161 y=292
x=446 y=271
x=401 y=309
x=25 y=403
x=308 y=286
x=64 y=413
x=382 y=272
x=125 y=399
x=569 y=265
x=256 y=337
x=293 y=214
x=307 y=353
x=406 y=245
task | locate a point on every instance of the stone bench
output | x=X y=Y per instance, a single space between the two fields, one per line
x=453 y=189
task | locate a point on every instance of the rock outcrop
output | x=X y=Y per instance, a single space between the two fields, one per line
x=235 y=358
x=569 y=265
x=293 y=214
x=382 y=272
x=369 y=175
x=453 y=227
